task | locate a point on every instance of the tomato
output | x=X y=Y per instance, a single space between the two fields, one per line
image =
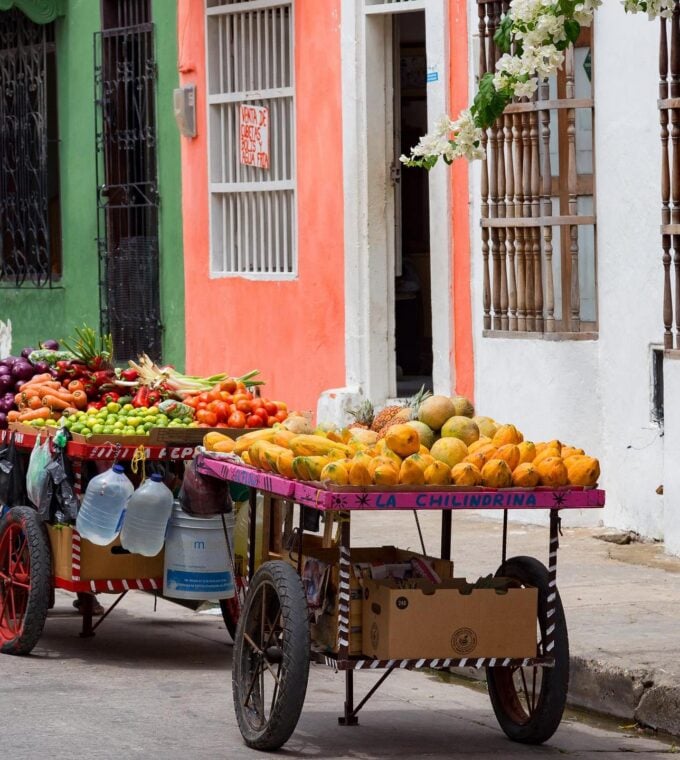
x=243 y=406
x=222 y=425
x=257 y=403
x=201 y=405
x=271 y=408
x=228 y=385
x=221 y=409
x=207 y=417
x=224 y=396
x=232 y=408
x=254 y=421
x=280 y=405
x=240 y=386
x=271 y=421
x=192 y=401
x=237 y=420
x=262 y=414
x=203 y=397
x=242 y=397
x=281 y=415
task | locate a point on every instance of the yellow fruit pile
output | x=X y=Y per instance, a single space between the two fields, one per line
x=462 y=458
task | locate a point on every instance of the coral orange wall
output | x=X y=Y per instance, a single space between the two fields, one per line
x=292 y=331
x=460 y=206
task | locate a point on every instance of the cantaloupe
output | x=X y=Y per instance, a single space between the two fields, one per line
x=461 y=427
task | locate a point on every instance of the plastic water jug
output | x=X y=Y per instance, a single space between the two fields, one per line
x=146 y=517
x=101 y=514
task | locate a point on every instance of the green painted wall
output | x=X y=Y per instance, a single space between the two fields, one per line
x=169 y=179
x=41 y=313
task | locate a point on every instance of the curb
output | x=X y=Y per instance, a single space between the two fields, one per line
x=648 y=697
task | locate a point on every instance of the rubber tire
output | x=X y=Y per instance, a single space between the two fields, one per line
x=296 y=654
x=40 y=559
x=555 y=681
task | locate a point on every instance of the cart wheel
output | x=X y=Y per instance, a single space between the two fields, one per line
x=529 y=702
x=231 y=608
x=25 y=580
x=271 y=657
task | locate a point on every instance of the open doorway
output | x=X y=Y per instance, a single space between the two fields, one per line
x=413 y=294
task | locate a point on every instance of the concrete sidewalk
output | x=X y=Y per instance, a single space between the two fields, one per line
x=622 y=605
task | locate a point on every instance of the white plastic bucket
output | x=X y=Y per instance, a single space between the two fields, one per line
x=197 y=563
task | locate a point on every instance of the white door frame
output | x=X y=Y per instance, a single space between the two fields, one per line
x=366 y=44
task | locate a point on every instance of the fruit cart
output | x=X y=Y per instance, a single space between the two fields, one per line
x=527 y=680
x=36 y=558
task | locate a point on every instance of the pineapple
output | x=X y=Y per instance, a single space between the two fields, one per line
x=395 y=415
x=363 y=415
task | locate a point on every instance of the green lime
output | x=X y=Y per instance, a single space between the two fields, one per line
x=128 y=408
x=77 y=428
x=51 y=423
x=38 y=423
x=129 y=431
x=113 y=407
x=134 y=422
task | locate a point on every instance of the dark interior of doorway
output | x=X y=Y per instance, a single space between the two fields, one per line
x=413 y=301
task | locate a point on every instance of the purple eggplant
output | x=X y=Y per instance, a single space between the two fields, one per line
x=50 y=345
x=3 y=421
x=26 y=352
x=23 y=370
x=9 y=361
x=6 y=383
x=41 y=367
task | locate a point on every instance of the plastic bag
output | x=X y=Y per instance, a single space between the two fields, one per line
x=203 y=496
x=12 y=479
x=37 y=474
x=60 y=503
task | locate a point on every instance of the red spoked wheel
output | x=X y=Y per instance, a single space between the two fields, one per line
x=25 y=580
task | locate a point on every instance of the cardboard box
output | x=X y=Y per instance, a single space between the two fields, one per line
x=110 y=562
x=448 y=620
x=324 y=631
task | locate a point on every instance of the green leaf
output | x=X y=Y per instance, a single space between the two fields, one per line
x=572 y=29
x=503 y=35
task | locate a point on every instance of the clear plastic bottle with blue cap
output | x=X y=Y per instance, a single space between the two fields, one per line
x=146 y=517
x=101 y=514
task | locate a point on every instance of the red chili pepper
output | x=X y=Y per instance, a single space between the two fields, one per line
x=95 y=405
x=141 y=398
x=102 y=377
x=153 y=398
x=129 y=374
x=91 y=390
x=110 y=396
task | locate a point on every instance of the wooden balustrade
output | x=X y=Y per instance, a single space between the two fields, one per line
x=669 y=113
x=529 y=203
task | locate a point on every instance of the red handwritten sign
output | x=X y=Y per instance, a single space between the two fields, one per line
x=254 y=136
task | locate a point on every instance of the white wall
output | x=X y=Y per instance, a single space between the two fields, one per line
x=596 y=394
x=671 y=474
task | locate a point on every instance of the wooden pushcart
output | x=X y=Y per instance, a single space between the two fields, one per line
x=274 y=646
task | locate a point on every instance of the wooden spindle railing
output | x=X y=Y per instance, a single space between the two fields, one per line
x=517 y=205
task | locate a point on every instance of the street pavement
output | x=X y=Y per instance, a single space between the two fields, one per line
x=157 y=684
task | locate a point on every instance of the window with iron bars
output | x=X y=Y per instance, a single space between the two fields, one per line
x=252 y=195
x=538 y=200
x=30 y=229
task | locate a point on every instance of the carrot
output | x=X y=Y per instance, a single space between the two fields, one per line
x=34 y=402
x=35 y=414
x=79 y=399
x=37 y=379
x=55 y=402
x=13 y=415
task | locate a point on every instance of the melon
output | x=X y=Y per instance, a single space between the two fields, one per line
x=449 y=450
x=362 y=435
x=434 y=411
x=464 y=407
x=461 y=427
x=425 y=433
x=487 y=426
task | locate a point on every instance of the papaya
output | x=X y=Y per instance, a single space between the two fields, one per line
x=255 y=452
x=481 y=441
x=507 y=434
x=386 y=475
x=553 y=471
x=476 y=459
x=284 y=463
x=245 y=441
x=496 y=474
x=527 y=452
x=315 y=445
x=362 y=456
x=336 y=436
x=509 y=453
x=582 y=470
x=269 y=453
x=411 y=473
x=309 y=467
x=224 y=447
x=403 y=440
x=246 y=458
x=437 y=474
x=335 y=473
x=570 y=451
x=525 y=475
x=359 y=474
x=381 y=461
x=210 y=439
x=546 y=453
x=422 y=460
x=466 y=474
x=282 y=437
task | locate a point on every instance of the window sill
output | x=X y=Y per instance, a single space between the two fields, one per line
x=672 y=354
x=555 y=336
